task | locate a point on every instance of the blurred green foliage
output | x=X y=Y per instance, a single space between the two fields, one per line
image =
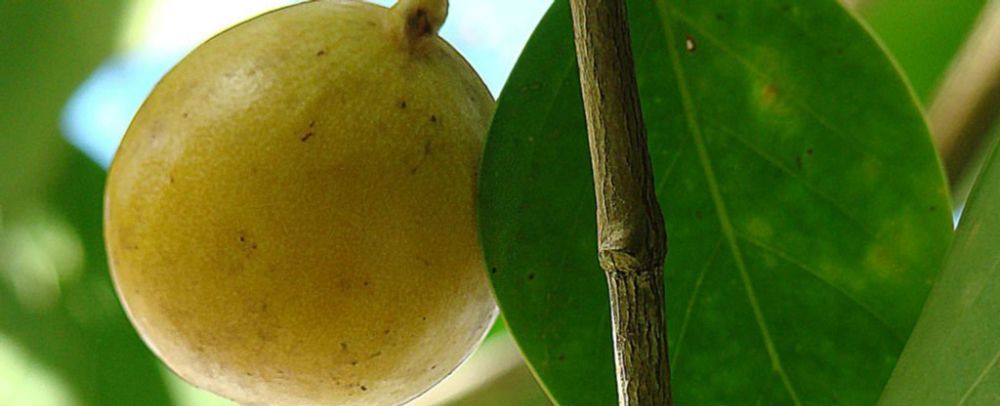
x=57 y=303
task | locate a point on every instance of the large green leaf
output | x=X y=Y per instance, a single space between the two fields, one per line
x=806 y=210
x=953 y=356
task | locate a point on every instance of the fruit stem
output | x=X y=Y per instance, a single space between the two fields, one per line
x=632 y=241
x=418 y=19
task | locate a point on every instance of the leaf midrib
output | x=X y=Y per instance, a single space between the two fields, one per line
x=721 y=211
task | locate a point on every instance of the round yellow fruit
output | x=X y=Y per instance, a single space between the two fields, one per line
x=290 y=217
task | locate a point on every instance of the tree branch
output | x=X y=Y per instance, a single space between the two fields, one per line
x=631 y=235
x=967 y=104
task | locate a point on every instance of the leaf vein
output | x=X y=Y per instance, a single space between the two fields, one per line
x=818 y=275
x=676 y=351
x=721 y=211
x=979 y=380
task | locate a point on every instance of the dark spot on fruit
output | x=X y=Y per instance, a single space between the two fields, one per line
x=562 y=357
x=185 y=115
x=493 y=270
x=531 y=276
x=718 y=16
x=343 y=346
x=933 y=208
x=321 y=52
x=423 y=318
x=307 y=136
x=171 y=179
x=809 y=151
x=312 y=124
x=434 y=366
x=354 y=362
x=365 y=283
x=434 y=118
x=386 y=331
x=840 y=51
x=363 y=387
x=402 y=104
x=376 y=354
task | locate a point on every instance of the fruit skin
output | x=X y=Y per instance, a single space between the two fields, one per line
x=290 y=217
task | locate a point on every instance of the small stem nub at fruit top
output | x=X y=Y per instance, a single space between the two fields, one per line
x=417 y=19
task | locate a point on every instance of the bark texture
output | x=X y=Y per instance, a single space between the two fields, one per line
x=631 y=235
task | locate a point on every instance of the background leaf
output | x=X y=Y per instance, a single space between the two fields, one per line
x=57 y=305
x=806 y=210
x=922 y=35
x=953 y=356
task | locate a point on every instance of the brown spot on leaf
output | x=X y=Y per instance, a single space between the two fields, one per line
x=769 y=94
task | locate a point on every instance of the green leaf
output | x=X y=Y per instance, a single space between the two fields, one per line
x=923 y=35
x=953 y=356
x=805 y=207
